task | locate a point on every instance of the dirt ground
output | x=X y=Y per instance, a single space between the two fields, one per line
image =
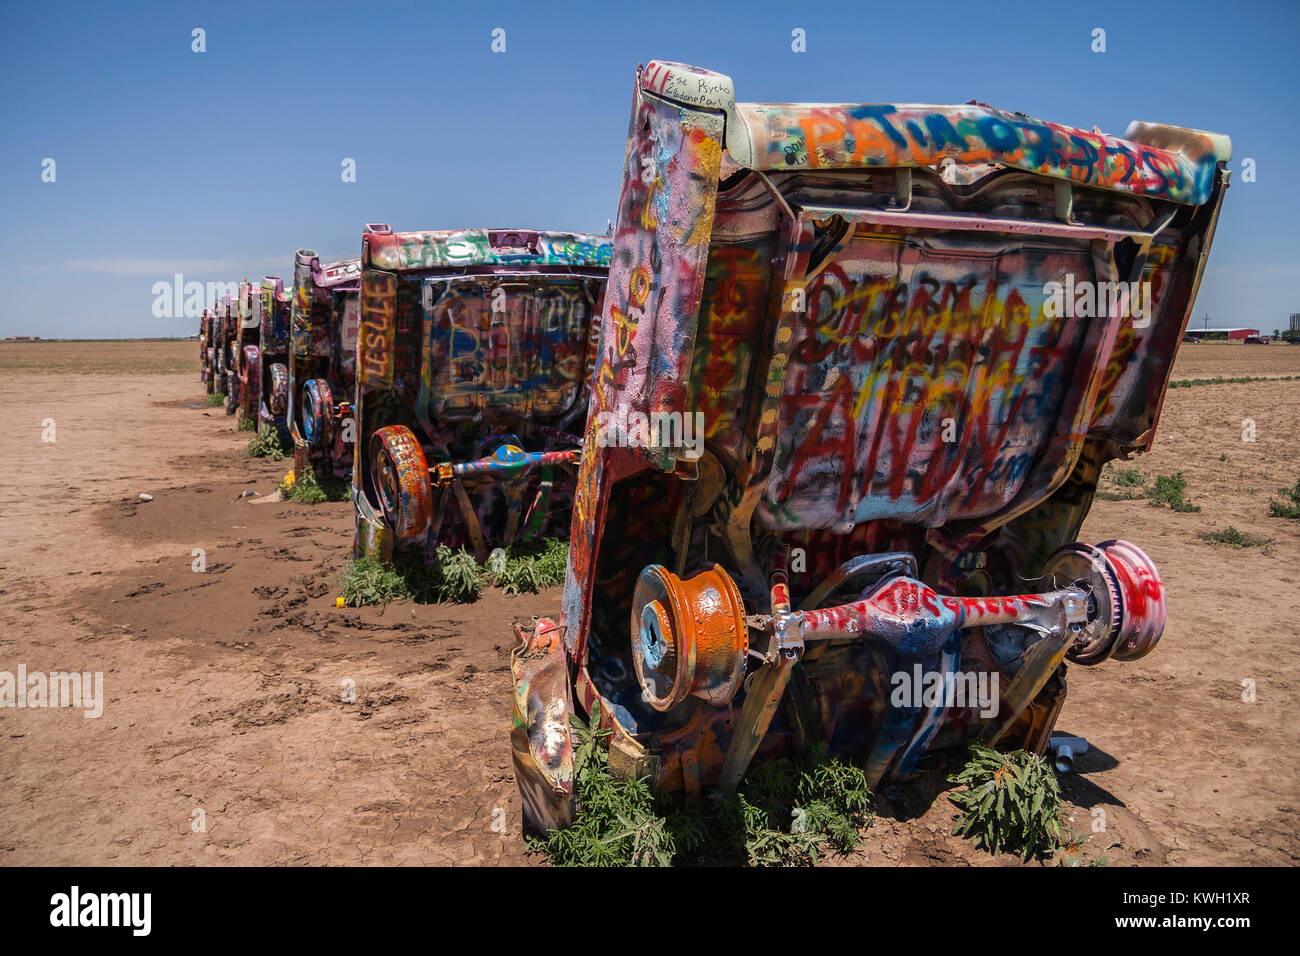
x=224 y=687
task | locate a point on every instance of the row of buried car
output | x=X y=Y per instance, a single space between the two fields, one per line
x=806 y=419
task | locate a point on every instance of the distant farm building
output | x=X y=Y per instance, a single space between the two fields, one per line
x=1237 y=333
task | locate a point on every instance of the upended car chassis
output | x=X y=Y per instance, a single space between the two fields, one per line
x=476 y=345
x=322 y=364
x=833 y=286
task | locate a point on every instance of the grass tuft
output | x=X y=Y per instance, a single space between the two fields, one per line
x=216 y=398
x=454 y=577
x=367 y=581
x=1232 y=538
x=1281 y=509
x=1127 y=481
x=530 y=566
x=783 y=814
x=1130 y=477
x=266 y=444
x=1169 y=490
x=307 y=489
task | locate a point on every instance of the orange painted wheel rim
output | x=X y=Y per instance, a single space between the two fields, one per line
x=689 y=636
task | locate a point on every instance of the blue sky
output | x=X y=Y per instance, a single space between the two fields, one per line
x=221 y=164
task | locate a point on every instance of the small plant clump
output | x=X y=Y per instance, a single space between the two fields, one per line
x=1233 y=538
x=783 y=814
x=529 y=567
x=1010 y=802
x=1128 y=481
x=307 y=489
x=1170 y=490
x=247 y=424
x=1130 y=477
x=216 y=398
x=1283 y=509
x=266 y=444
x=367 y=581
x=454 y=577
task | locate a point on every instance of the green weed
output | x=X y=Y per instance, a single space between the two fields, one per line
x=266 y=444
x=1128 y=481
x=783 y=814
x=1281 y=509
x=1233 y=538
x=1010 y=802
x=1169 y=490
x=307 y=489
x=368 y=581
x=1130 y=477
x=530 y=566
x=454 y=577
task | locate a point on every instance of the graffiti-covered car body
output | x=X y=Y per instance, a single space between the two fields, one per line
x=472 y=361
x=225 y=319
x=854 y=394
x=206 y=352
x=265 y=384
x=243 y=369
x=322 y=363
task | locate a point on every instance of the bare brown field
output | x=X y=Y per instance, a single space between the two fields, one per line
x=1218 y=359
x=224 y=688
x=127 y=357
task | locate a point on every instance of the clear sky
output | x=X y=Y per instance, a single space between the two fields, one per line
x=220 y=164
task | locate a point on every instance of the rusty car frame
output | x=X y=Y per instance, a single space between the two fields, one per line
x=854 y=393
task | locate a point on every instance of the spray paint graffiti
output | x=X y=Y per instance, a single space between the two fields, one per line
x=888 y=393
x=320 y=379
x=473 y=352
